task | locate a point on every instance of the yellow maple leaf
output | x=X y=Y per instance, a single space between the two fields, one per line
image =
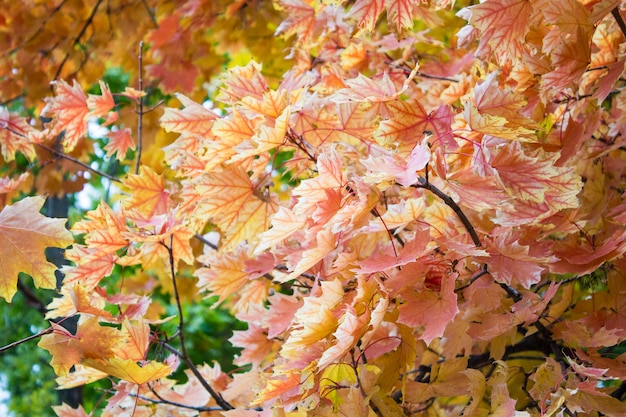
x=24 y=235
x=129 y=370
x=147 y=190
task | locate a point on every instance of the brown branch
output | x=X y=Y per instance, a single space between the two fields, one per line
x=162 y=400
x=217 y=397
x=80 y=35
x=424 y=183
x=140 y=111
x=181 y=335
x=26 y=339
x=10 y=100
x=150 y=13
x=620 y=21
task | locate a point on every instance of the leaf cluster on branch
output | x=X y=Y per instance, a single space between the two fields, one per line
x=417 y=208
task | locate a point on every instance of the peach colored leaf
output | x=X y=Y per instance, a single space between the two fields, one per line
x=194 y=118
x=24 y=236
x=411 y=250
x=102 y=105
x=257 y=346
x=64 y=410
x=496 y=125
x=394 y=166
x=119 y=141
x=69 y=111
x=14 y=136
x=11 y=184
x=431 y=310
x=136 y=337
x=503 y=23
x=147 y=192
x=400 y=13
x=90 y=341
x=366 y=13
x=284 y=224
x=225 y=275
x=80 y=375
x=240 y=82
x=407 y=126
x=129 y=370
x=325 y=243
x=351 y=328
x=300 y=20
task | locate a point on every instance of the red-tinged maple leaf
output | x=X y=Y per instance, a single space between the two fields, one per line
x=267 y=138
x=570 y=59
x=301 y=20
x=392 y=165
x=120 y=141
x=69 y=111
x=284 y=224
x=408 y=124
x=586 y=397
x=600 y=8
x=272 y=104
x=400 y=13
x=240 y=82
x=147 y=192
x=76 y=299
x=376 y=90
x=257 y=346
x=312 y=191
x=503 y=23
x=90 y=341
x=496 y=126
x=175 y=74
x=325 y=242
x=281 y=312
x=431 y=310
x=24 y=236
x=526 y=177
x=491 y=99
x=11 y=184
x=14 y=136
x=351 y=328
x=193 y=119
x=583 y=255
x=91 y=264
x=225 y=275
x=102 y=105
x=64 y=410
x=365 y=13
x=411 y=251
x=511 y=262
x=278 y=386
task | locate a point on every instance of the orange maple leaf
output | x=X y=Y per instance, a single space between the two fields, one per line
x=193 y=119
x=24 y=235
x=366 y=13
x=14 y=136
x=503 y=23
x=119 y=141
x=147 y=190
x=102 y=105
x=69 y=111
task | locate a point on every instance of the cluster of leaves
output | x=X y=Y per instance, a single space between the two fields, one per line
x=449 y=241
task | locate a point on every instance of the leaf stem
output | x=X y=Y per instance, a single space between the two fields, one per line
x=140 y=111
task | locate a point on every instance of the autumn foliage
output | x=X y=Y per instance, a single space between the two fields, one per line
x=416 y=207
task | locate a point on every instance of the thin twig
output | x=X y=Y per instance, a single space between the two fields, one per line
x=26 y=339
x=10 y=100
x=217 y=397
x=619 y=20
x=150 y=13
x=162 y=400
x=206 y=242
x=140 y=111
x=61 y=154
x=77 y=39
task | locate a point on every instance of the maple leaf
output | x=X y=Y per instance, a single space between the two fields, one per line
x=129 y=370
x=14 y=132
x=226 y=275
x=24 y=235
x=101 y=106
x=400 y=13
x=366 y=13
x=69 y=111
x=193 y=119
x=429 y=309
x=148 y=194
x=301 y=20
x=120 y=141
x=90 y=341
x=503 y=23
x=65 y=410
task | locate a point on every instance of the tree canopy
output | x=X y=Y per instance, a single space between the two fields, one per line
x=303 y=207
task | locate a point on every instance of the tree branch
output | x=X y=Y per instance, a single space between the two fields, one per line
x=26 y=339
x=217 y=397
x=181 y=336
x=620 y=21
